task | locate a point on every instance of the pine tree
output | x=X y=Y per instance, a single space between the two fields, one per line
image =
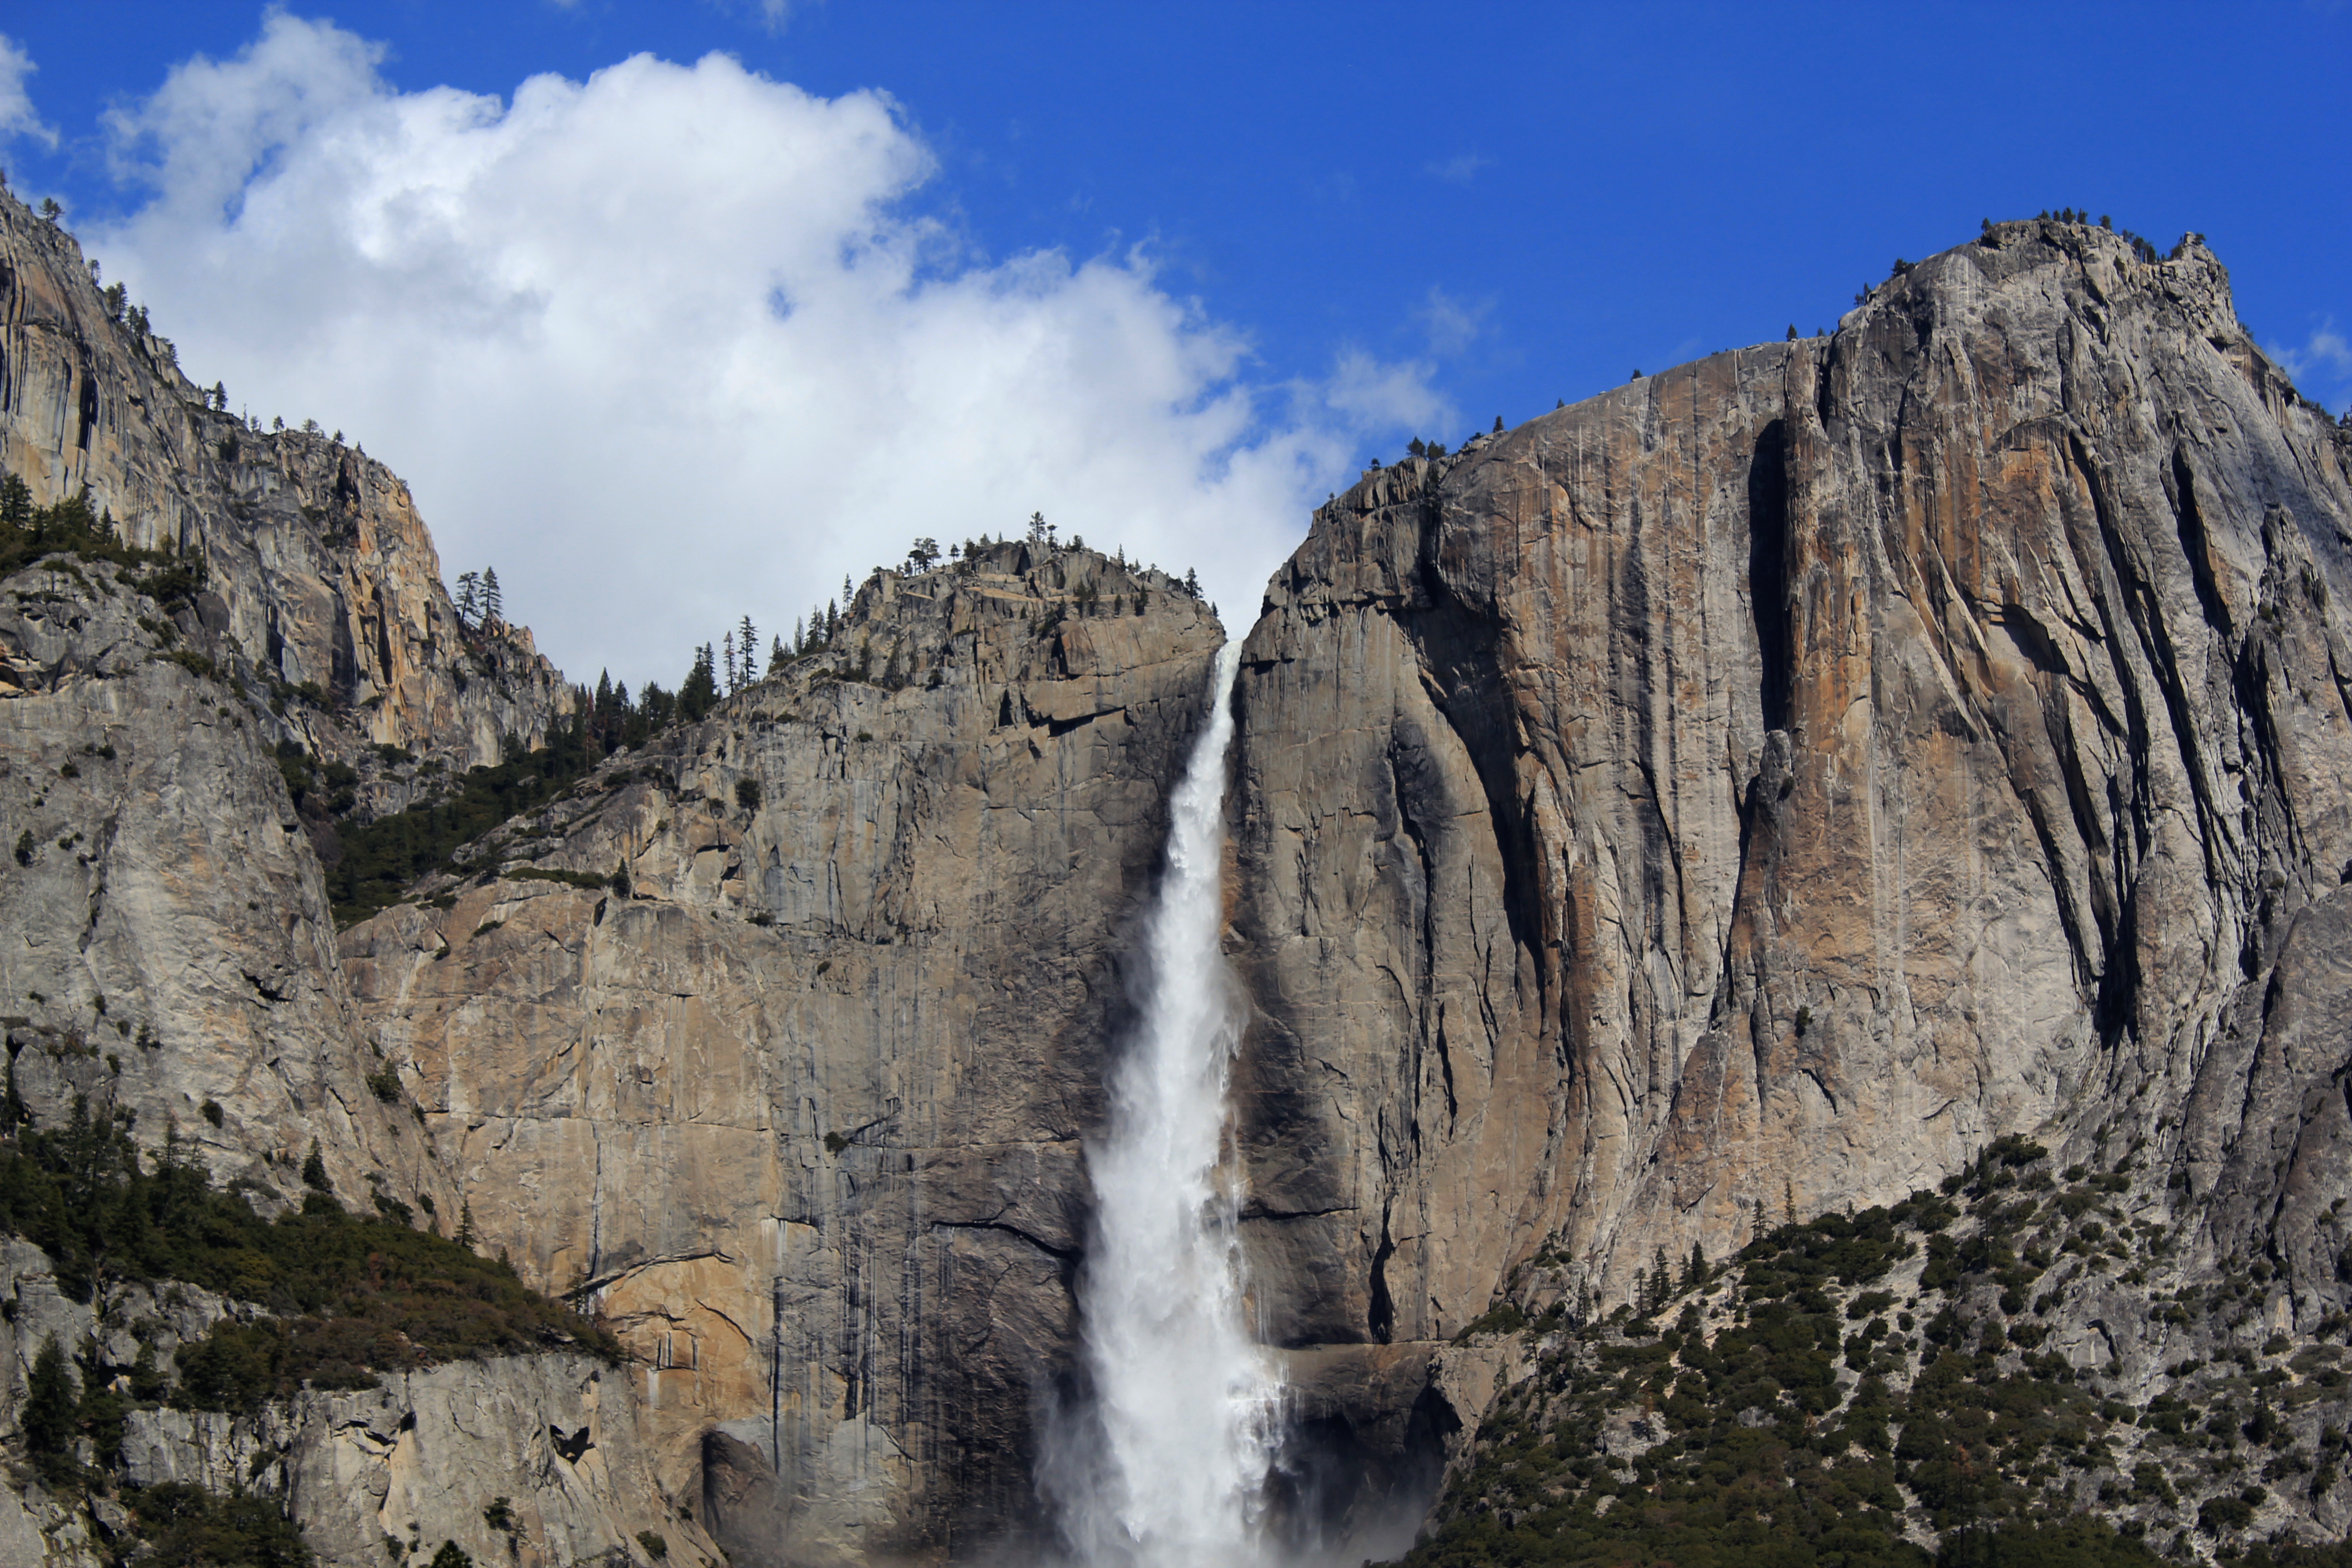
x=1694 y=1271
x=700 y=694
x=777 y=657
x=748 y=639
x=494 y=606
x=469 y=597
x=314 y=1170
x=16 y=502
x=727 y=656
x=48 y=1419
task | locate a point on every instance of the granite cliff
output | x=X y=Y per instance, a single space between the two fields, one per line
x=1752 y=792
x=243 y=598
x=798 y=1099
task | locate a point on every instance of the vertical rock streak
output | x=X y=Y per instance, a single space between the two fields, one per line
x=1174 y=1456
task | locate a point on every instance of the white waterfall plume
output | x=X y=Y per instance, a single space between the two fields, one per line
x=1167 y=1467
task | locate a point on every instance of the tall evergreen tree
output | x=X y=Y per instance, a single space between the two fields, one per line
x=494 y=606
x=469 y=597
x=727 y=657
x=49 y=1419
x=16 y=502
x=700 y=694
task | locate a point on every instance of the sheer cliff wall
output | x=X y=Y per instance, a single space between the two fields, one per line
x=321 y=571
x=1761 y=785
x=798 y=1106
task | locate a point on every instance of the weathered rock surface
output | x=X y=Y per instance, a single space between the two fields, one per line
x=418 y=1461
x=170 y=950
x=170 y=942
x=321 y=572
x=1762 y=785
x=172 y=939
x=800 y=1110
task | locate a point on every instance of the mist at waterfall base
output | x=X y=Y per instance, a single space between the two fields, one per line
x=1164 y=1463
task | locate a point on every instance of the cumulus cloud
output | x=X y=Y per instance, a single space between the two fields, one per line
x=16 y=116
x=1450 y=324
x=1459 y=170
x=668 y=345
x=2322 y=360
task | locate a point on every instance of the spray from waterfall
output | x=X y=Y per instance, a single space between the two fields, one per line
x=1168 y=1467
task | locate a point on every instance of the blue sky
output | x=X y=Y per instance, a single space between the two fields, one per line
x=1168 y=273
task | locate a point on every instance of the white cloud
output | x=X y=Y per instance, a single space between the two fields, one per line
x=16 y=116
x=777 y=14
x=1459 y=170
x=1451 y=324
x=665 y=346
x=2322 y=363
x=2325 y=351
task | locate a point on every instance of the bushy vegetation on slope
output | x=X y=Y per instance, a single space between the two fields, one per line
x=342 y=1295
x=1879 y=1389
x=380 y=859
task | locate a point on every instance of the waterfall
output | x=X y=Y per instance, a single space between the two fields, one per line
x=1165 y=1469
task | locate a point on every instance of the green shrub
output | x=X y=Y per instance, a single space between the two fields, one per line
x=349 y=1295
x=589 y=879
x=188 y=1527
x=382 y=859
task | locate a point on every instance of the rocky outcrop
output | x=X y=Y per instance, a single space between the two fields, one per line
x=171 y=957
x=1755 y=789
x=175 y=952
x=421 y=1459
x=798 y=1101
x=320 y=574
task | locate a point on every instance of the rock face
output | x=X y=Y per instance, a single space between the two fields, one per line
x=418 y=1461
x=800 y=1110
x=1759 y=787
x=322 y=573
x=174 y=944
x=170 y=953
